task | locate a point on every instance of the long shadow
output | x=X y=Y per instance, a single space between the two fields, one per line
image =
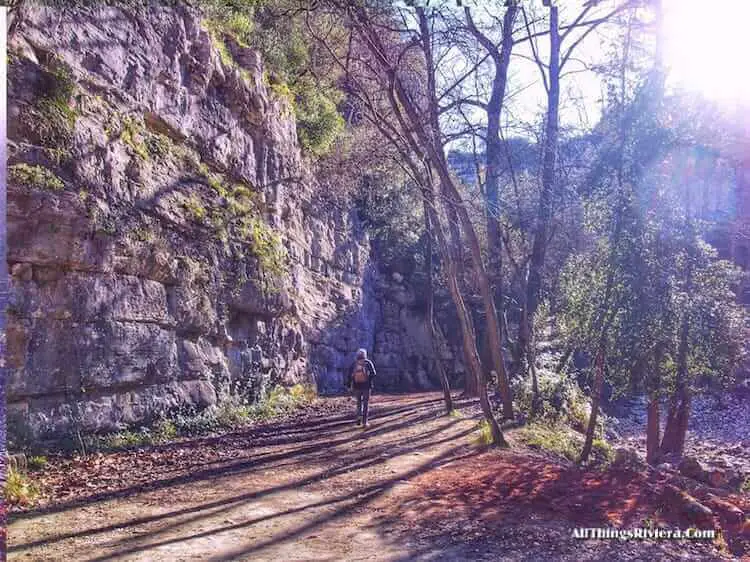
x=374 y=448
x=225 y=505
x=225 y=469
x=233 y=504
x=366 y=495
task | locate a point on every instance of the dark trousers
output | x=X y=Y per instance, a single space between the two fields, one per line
x=363 y=403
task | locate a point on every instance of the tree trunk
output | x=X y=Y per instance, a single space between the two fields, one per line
x=468 y=334
x=670 y=430
x=595 y=400
x=679 y=408
x=429 y=315
x=549 y=189
x=653 y=451
x=493 y=157
x=683 y=417
x=526 y=360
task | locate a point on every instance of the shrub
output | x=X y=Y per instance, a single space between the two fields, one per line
x=19 y=489
x=562 y=400
x=602 y=452
x=230 y=414
x=164 y=430
x=282 y=91
x=37 y=462
x=483 y=436
x=158 y=145
x=303 y=393
x=319 y=123
x=266 y=246
x=126 y=439
x=233 y=17
x=35 y=177
x=554 y=438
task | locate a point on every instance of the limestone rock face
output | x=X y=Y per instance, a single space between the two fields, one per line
x=403 y=348
x=140 y=286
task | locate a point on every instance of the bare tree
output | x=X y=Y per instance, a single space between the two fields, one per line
x=500 y=56
x=551 y=74
x=388 y=92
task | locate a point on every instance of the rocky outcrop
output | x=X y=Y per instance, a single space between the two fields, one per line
x=153 y=183
x=402 y=350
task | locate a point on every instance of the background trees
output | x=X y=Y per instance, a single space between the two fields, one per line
x=534 y=217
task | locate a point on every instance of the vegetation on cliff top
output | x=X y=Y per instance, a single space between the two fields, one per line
x=296 y=71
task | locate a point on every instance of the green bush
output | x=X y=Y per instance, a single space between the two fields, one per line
x=562 y=400
x=164 y=430
x=158 y=145
x=35 y=177
x=233 y=17
x=133 y=134
x=266 y=246
x=19 y=489
x=319 y=123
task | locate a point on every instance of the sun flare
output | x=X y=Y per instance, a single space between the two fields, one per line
x=706 y=47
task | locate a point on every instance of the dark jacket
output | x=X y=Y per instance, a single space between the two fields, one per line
x=369 y=367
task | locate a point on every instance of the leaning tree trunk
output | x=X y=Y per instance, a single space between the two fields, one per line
x=429 y=315
x=468 y=333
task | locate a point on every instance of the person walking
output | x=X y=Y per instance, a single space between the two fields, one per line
x=360 y=378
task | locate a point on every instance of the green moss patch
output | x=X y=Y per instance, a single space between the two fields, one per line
x=34 y=177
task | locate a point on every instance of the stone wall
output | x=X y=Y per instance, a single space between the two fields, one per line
x=136 y=285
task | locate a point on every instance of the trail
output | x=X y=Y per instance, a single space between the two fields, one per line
x=317 y=489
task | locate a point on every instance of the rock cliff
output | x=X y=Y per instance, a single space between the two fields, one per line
x=167 y=242
x=155 y=183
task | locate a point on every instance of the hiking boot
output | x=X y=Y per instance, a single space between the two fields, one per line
x=359 y=421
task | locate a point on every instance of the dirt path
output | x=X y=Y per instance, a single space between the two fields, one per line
x=317 y=489
x=304 y=492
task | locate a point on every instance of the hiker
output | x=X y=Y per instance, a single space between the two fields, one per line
x=359 y=381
